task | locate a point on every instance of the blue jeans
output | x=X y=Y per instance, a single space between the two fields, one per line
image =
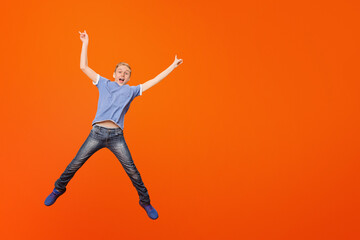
x=113 y=139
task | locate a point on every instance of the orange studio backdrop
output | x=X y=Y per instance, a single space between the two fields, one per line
x=254 y=136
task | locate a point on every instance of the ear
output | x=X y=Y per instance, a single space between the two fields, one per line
x=113 y=75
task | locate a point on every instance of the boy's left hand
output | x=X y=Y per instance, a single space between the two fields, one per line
x=177 y=62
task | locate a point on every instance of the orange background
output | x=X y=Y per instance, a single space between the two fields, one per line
x=254 y=136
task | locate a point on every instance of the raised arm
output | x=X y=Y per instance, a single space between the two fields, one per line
x=83 y=58
x=162 y=75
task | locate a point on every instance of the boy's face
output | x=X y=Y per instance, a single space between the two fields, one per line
x=122 y=75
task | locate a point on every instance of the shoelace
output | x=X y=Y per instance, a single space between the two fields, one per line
x=55 y=194
x=149 y=208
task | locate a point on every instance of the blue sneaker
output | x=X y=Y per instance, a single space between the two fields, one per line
x=151 y=212
x=50 y=200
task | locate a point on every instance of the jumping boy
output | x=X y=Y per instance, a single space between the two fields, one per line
x=107 y=131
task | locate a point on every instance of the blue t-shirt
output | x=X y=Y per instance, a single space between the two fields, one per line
x=114 y=100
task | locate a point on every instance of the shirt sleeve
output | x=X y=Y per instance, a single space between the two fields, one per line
x=97 y=80
x=101 y=82
x=136 y=90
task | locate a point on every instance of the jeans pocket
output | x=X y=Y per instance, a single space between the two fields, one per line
x=120 y=133
x=96 y=132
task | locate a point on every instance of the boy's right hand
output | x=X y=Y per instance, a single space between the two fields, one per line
x=84 y=37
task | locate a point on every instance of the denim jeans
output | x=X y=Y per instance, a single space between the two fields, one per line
x=113 y=139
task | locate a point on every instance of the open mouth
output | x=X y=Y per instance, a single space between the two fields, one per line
x=121 y=79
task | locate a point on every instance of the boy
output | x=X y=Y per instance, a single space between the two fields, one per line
x=114 y=101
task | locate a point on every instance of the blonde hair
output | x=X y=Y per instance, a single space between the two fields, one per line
x=123 y=64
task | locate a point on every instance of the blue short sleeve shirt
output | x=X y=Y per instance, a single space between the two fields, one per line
x=114 y=100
